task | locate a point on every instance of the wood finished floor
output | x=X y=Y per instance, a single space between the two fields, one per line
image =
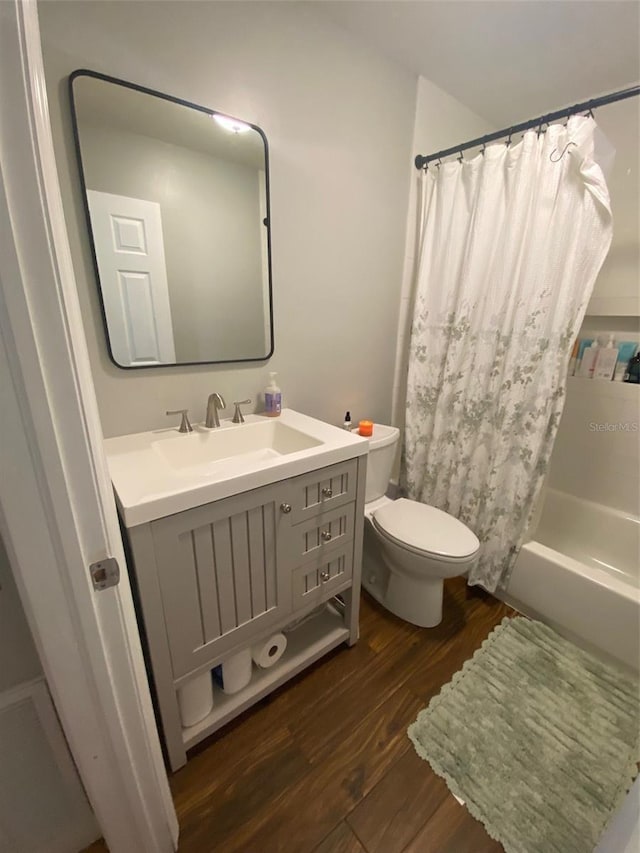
x=324 y=765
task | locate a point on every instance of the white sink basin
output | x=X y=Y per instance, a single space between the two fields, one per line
x=233 y=445
x=163 y=472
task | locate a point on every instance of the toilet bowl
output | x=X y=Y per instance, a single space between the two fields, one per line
x=409 y=547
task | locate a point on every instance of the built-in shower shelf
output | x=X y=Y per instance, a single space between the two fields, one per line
x=306 y=644
x=604 y=387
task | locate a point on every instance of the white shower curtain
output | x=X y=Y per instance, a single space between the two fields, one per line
x=512 y=243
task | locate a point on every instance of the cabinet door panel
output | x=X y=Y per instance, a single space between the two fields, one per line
x=220 y=568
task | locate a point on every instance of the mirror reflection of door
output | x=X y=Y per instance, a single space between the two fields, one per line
x=208 y=177
x=127 y=235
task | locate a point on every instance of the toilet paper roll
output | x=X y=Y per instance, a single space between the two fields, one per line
x=236 y=671
x=269 y=652
x=195 y=699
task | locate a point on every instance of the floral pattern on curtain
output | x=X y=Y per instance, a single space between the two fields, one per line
x=511 y=246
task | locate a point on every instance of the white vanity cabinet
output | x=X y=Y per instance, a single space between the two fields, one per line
x=214 y=579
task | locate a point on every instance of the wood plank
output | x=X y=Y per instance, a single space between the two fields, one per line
x=341 y=840
x=453 y=830
x=422 y=659
x=398 y=807
x=302 y=815
x=232 y=795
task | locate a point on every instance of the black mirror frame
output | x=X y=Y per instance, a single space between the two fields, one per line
x=83 y=72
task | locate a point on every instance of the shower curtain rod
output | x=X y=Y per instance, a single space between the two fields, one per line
x=421 y=160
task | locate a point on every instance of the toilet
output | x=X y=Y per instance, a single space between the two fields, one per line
x=409 y=547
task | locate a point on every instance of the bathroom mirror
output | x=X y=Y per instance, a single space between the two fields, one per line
x=177 y=206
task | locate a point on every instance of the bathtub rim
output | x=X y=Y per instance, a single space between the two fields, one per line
x=601 y=577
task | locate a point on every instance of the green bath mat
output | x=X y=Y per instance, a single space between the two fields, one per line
x=538 y=737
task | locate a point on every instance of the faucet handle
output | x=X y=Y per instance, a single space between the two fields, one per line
x=237 y=415
x=185 y=426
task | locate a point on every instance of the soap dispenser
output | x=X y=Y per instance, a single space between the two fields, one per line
x=272 y=398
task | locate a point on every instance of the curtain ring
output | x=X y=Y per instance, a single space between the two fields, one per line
x=590 y=114
x=484 y=148
x=508 y=142
x=541 y=129
x=460 y=157
x=566 y=121
x=439 y=163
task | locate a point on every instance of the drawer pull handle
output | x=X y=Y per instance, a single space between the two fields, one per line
x=286 y=508
x=326 y=535
x=324 y=576
x=327 y=493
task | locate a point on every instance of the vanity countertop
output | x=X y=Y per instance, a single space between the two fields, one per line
x=163 y=472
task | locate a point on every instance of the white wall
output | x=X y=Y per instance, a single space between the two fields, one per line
x=441 y=122
x=339 y=121
x=19 y=660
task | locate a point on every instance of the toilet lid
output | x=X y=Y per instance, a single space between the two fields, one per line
x=426 y=528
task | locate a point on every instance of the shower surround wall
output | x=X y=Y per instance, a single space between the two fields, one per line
x=339 y=120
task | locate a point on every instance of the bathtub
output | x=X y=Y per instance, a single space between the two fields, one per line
x=581 y=575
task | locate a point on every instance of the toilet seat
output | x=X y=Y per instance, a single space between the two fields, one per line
x=426 y=530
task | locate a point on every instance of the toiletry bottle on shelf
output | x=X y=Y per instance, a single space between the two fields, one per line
x=626 y=351
x=573 y=361
x=583 y=343
x=272 y=398
x=606 y=361
x=589 y=359
x=347 y=421
x=633 y=370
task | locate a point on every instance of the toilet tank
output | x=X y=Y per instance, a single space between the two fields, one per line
x=382 y=452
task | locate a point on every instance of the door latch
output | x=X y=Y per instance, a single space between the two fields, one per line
x=105 y=573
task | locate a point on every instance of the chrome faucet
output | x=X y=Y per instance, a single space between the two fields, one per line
x=215 y=402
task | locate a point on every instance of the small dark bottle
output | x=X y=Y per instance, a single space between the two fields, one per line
x=632 y=373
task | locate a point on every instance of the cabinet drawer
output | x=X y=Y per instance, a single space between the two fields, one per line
x=319 y=534
x=313 y=493
x=321 y=578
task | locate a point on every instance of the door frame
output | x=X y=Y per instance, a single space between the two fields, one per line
x=57 y=512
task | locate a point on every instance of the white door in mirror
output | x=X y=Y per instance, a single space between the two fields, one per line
x=133 y=277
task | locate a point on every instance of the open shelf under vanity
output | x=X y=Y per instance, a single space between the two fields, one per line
x=306 y=644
